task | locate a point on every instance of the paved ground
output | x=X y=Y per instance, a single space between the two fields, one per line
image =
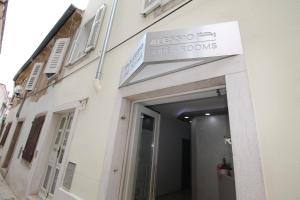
x=5 y=192
x=181 y=195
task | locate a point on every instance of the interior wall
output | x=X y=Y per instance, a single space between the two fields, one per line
x=172 y=131
x=208 y=150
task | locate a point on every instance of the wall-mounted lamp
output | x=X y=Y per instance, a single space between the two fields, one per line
x=19 y=92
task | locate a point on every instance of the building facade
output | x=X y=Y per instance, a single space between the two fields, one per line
x=81 y=128
x=4 y=100
x=21 y=151
x=3 y=9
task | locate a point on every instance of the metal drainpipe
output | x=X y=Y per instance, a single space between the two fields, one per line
x=102 y=56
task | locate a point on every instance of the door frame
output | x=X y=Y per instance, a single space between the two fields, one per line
x=230 y=73
x=39 y=166
x=12 y=146
x=45 y=193
x=139 y=108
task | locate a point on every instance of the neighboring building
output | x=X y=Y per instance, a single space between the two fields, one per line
x=3 y=9
x=31 y=106
x=185 y=91
x=4 y=99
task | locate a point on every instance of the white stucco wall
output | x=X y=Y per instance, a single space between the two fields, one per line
x=272 y=69
x=269 y=31
x=20 y=174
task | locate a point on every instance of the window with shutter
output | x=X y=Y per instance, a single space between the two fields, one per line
x=33 y=78
x=32 y=139
x=72 y=54
x=78 y=50
x=86 y=36
x=7 y=129
x=149 y=5
x=57 y=56
x=92 y=39
x=164 y=2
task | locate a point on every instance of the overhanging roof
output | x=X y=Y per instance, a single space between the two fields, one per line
x=48 y=38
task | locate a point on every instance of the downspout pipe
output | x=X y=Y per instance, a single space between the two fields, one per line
x=103 y=189
x=21 y=105
x=106 y=40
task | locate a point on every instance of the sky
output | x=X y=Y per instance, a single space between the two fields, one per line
x=27 y=24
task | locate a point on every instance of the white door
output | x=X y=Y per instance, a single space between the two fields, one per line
x=56 y=156
x=142 y=155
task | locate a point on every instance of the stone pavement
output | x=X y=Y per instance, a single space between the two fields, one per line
x=5 y=192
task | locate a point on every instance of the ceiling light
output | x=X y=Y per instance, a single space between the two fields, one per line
x=186 y=117
x=207 y=114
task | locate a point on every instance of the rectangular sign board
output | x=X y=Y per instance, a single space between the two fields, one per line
x=217 y=40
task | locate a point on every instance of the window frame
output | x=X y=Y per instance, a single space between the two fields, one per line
x=147 y=10
x=96 y=20
x=80 y=53
x=157 y=4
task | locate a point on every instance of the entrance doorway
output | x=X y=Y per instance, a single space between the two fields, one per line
x=12 y=145
x=56 y=156
x=181 y=150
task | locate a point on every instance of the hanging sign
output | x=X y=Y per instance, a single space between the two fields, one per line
x=164 y=52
